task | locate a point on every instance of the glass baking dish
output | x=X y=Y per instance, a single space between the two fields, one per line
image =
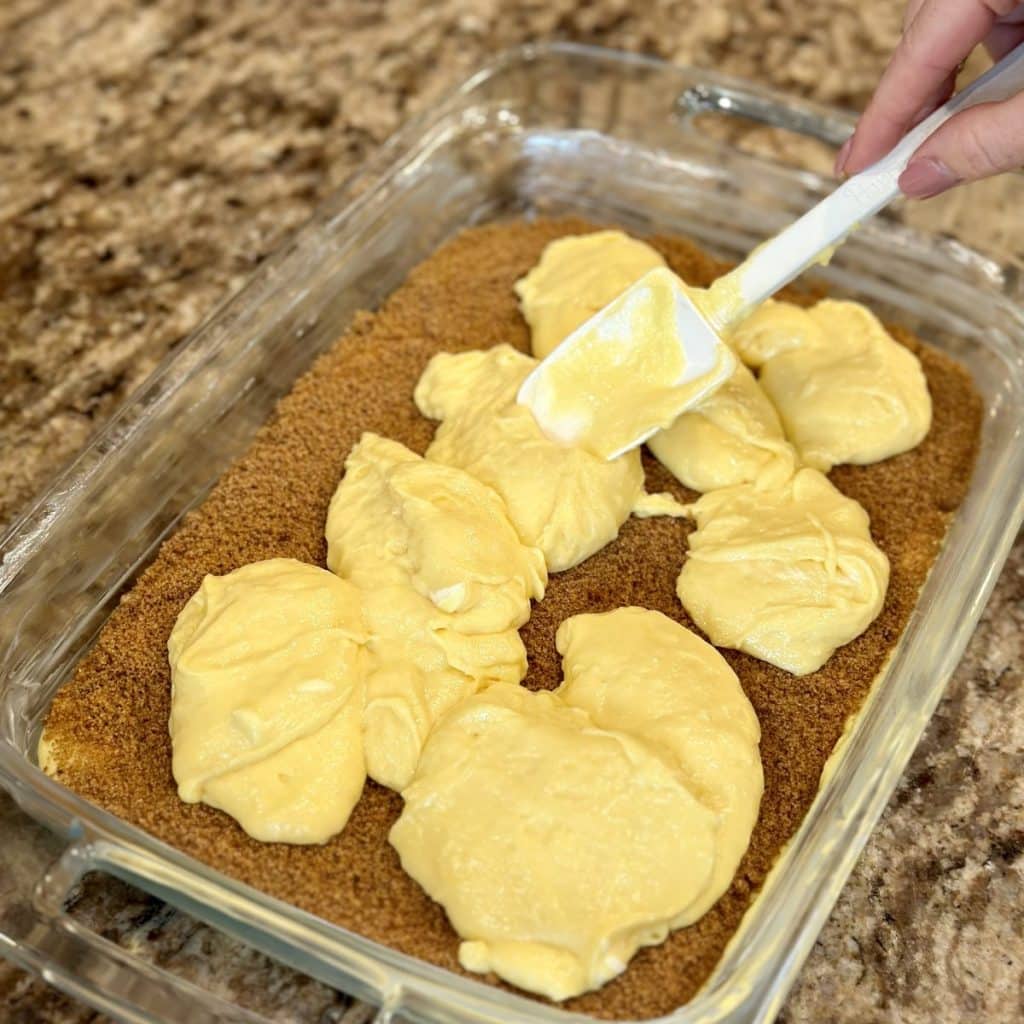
x=549 y=130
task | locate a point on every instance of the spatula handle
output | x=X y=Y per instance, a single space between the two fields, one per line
x=793 y=250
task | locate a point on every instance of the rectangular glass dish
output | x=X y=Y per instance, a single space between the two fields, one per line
x=549 y=130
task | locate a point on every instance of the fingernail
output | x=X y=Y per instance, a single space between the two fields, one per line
x=842 y=156
x=926 y=177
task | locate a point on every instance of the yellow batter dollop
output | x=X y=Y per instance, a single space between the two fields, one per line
x=845 y=390
x=577 y=276
x=562 y=831
x=733 y=437
x=786 y=573
x=267 y=668
x=562 y=500
x=446 y=583
x=637 y=671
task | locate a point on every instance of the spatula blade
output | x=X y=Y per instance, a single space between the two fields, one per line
x=630 y=370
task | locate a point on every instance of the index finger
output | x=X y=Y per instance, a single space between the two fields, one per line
x=922 y=72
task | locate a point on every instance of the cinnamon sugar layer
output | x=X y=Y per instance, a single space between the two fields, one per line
x=108 y=725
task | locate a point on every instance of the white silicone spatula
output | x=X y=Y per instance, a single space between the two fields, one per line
x=603 y=429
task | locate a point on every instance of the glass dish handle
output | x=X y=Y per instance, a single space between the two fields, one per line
x=802 y=117
x=37 y=935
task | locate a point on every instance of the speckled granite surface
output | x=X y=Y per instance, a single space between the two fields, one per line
x=152 y=153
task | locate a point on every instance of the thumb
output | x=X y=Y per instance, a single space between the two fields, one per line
x=977 y=143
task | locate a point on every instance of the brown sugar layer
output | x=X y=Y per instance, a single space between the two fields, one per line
x=108 y=725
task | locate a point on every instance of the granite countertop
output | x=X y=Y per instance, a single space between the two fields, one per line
x=153 y=153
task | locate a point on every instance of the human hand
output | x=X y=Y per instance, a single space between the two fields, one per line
x=938 y=36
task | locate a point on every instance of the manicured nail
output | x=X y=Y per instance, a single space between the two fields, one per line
x=842 y=156
x=926 y=177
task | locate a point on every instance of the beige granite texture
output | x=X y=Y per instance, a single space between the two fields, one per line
x=153 y=153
